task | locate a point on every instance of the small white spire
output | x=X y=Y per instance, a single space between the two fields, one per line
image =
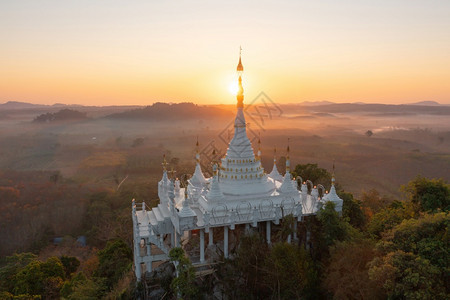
x=215 y=194
x=288 y=160
x=287 y=187
x=186 y=210
x=275 y=174
x=332 y=195
x=197 y=179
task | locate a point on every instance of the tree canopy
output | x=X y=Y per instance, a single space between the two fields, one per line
x=312 y=172
x=429 y=194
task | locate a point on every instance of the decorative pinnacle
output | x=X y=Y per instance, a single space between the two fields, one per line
x=240 y=94
x=197 y=152
x=240 y=67
x=164 y=163
x=288 y=162
x=288 y=149
x=274 y=155
x=332 y=175
x=172 y=173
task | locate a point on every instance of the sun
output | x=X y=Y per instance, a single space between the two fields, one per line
x=233 y=88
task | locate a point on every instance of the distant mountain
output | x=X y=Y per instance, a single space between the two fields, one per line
x=427 y=103
x=167 y=112
x=59 y=105
x=20 y=105
x=61 y=116
x=315 y=103
x=382 y=108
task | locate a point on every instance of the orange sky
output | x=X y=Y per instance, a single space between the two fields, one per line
x=139 y=52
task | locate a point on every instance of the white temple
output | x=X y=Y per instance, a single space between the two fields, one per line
x=239 y=193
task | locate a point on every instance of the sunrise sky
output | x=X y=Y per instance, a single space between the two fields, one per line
x=105 y=52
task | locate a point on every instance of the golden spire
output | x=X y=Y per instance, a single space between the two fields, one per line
x=197 y=152
x=288 y=161
x=172 y=173
x=240 y=67
x=164 y=163
x=288 y=149
x=274 y=155
x=332 y=175
x=240 y=94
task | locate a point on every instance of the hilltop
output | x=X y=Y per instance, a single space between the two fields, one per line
x=164 y=111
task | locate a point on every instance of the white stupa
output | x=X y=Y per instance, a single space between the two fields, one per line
x=239 y=193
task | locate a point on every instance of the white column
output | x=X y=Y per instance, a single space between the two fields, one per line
x=268 y=232
x=247 y=228
x=202 y=245
x=210 y=237
x=177 y=239
x=137 y=265
x=225 y=241
x=149 y=248
x=295 y=230
x=289 y=238
x=148 y=265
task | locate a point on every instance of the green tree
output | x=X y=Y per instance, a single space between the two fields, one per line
x=183 y=284
x=429 y=194
x=114 y=260
x=404 y=275
x=40 y=278
x=372 y=202
x=70 y=264
x=389 y=217
x=415 y=259
x=88 y=289
x=314 y=173
x=67 y=287
x=333 y=227
x=346 y=276
x=287 y=228
x=285 y=271
x=426 y=237
x=10 y=266
x=351 y=210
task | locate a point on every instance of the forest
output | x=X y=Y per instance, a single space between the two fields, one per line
x=66 y=188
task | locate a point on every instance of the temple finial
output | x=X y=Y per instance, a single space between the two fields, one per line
x=288 y=161
x=274 y=155
x=172 y=173
x=164 y=163
x=197 y=151
x=240 y=70
x=332 y=175
x=240 y=67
